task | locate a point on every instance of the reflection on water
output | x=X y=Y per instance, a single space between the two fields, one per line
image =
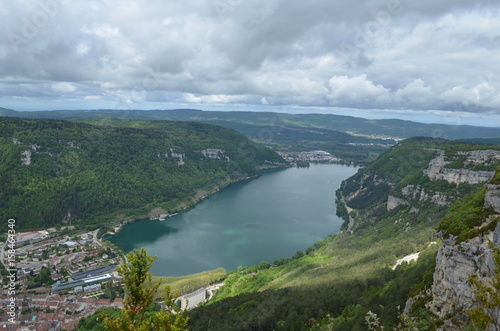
x=263 y=219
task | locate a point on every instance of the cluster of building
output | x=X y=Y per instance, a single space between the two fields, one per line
x=61 y=255
x=82 y=273
x=45 y=312
x=79 y=266
x=85 y=281
x=312 y=156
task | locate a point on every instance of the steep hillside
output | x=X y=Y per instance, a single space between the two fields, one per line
x=395 y=206
x=466 y=281
x=420 y=178
x=56 y=172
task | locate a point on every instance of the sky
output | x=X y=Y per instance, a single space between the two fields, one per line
x=424 y=60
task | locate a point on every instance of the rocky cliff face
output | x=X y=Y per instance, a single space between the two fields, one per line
x=425 y=179
x=452 y=292
x=418 y=194
x=492 y=198
x=437 y=168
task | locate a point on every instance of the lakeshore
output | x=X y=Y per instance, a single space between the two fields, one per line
x=270 y=217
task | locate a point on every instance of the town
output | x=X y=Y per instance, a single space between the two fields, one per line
x=60 y=277
x=296 y=158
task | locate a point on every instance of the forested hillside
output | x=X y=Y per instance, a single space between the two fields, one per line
x=277 y=120
x=422 y=175
x=57 y=172
x=283 y=136
x=393 y=209
x=352 y=139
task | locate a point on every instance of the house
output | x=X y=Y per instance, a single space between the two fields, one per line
x=103 y=302
x=55 y=261
x=118 y=303
x=70 y=257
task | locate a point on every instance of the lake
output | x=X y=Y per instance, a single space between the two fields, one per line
x=257 y=220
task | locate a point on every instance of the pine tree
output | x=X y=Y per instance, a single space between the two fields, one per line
x=140 y=297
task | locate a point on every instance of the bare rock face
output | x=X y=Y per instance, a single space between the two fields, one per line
x=437 y=169
x=492 y=198
x=451 y=291
x=393 y=202
x=26 y=159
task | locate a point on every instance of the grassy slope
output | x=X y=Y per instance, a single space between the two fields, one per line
x=190 y=283
x=348 y=270
x=496 y=179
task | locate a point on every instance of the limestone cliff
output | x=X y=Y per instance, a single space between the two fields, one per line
x=438 y=167
x=452 y=292
x=492 y=198
x=420 y=177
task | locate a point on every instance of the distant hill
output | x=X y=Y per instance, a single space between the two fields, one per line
x=352 y=139
x=273 y=121
x=7 y=112
x=57 y=172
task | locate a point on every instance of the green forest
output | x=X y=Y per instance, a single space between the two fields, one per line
x=349 y=281
x=340 y=282
x=56 y=172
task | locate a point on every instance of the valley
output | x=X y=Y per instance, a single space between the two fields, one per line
x=430 y=198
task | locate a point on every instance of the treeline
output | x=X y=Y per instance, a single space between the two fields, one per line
x=80 y=174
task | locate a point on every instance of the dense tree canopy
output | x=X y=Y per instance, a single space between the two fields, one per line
x=54 y=171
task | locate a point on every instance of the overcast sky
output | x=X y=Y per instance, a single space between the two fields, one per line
x=429 y=60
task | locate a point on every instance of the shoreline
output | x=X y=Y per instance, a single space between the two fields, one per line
x=192 y=201
x=241 y=179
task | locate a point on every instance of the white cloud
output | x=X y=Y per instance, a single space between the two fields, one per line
x=82 y=49
x=429 y=55
x=355 y=89
x=104 y=31
x=63 y=87
x=415 y=92
x=214 y=99
x=483 y=94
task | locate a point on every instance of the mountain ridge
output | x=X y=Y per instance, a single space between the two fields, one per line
x=396 y=127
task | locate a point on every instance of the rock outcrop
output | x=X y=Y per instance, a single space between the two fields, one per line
x=26 y=157
x=417 y=180
x=393 y=202
x=455 y=264
x=452 y=291
x=492 y=198
x=437 y=169
x=215 y=153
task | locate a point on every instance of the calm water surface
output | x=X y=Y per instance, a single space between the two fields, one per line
x=262 y=219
